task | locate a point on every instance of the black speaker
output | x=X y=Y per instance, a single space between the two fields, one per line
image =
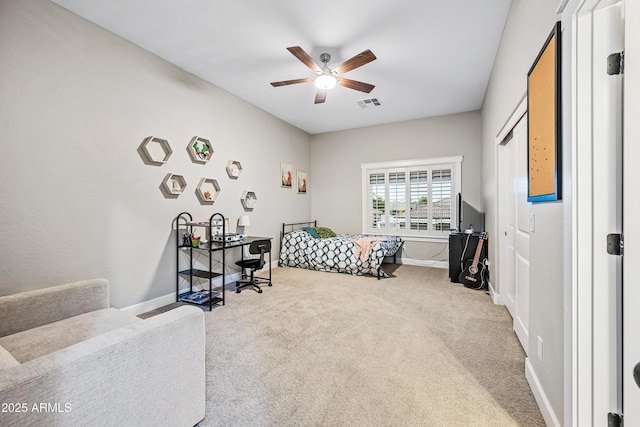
x=462 y=247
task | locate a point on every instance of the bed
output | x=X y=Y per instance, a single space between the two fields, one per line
x=345 y=253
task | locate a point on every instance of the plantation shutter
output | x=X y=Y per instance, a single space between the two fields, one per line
x=419 y=196
x=441 y=198
x=377 y=198
x=410 y=197
x=397 y=206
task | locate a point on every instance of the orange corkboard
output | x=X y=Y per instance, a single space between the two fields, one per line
x=544 y=121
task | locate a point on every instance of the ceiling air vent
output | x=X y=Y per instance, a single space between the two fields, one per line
x=370 y=103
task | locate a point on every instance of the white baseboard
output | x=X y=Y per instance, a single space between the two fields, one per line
x=167 y=299
x=496 y=297
x=423 y=263
x=549 y=416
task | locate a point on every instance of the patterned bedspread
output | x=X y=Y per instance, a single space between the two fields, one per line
x=345 y=253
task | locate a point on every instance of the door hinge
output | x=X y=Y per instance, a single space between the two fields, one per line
x=615 y=63
x=614 y=420
x=615 y=244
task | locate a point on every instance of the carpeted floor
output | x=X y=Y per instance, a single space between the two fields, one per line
x=327 y=349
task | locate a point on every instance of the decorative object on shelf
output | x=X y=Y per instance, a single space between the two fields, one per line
x=200 y=149
x=217 y=228
x=229 y=237
x=286 y=176
x=149 y=150
x=199 y=297
x=207 y=190
x=173 y=185
x=302 y=182
x=545 y=122
x=195 y=242
x=234 y=169
x=249 y=200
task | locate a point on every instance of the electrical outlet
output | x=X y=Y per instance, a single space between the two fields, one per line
x=540 y=348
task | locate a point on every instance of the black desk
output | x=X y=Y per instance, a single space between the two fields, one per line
x=210 y=274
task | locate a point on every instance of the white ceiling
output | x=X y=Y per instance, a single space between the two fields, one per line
x=434 y=56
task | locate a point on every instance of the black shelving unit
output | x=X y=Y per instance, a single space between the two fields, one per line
x=184 y=221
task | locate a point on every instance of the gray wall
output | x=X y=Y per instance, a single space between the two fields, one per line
x=77 y=200
x=337 y=176
x=528 y=26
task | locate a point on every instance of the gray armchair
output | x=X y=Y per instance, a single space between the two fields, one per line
x=67 y=358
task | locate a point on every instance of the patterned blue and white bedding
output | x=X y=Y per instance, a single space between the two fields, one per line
x=345 y=253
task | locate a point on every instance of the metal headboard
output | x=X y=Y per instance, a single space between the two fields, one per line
x=294 y=226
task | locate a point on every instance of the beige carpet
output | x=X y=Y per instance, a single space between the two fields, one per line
x=327 y=349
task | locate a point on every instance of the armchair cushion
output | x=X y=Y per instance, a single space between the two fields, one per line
x=27 y=310
x=45 y=339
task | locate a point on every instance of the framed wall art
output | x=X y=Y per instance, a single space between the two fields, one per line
x=286 y=175
x=301 y=182
x=544 y=122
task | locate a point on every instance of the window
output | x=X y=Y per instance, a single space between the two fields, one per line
x=411 y=197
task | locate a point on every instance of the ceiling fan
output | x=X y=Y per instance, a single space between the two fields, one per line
x=327 y=78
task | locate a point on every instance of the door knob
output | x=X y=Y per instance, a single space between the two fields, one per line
x=636 y=374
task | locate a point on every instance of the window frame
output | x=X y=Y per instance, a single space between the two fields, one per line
x=455 y=162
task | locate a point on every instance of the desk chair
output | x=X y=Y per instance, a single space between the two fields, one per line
x=253 y=264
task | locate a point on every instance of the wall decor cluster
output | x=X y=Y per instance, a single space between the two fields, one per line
x=157 y=151
x=286 y=178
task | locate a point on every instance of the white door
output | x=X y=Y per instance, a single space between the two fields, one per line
x=631 y=176
x=514 y=230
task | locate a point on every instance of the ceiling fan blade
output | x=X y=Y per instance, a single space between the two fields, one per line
x=321 y=96
x=305 y=58
x=291 y=82
x=356 y=85
x=357 y=61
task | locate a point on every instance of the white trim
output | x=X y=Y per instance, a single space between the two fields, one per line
x=561 y=6
x=443 y=240
x=412 y=162
x=495 y=297
x=167 y=299
x=514 y=118
x=550 y=418
x=151 y=304
x=423 y=263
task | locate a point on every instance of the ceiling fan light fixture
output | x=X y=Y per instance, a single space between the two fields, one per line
x=326 y=81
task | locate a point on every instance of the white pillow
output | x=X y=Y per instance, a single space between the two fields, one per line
x=6 y=359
